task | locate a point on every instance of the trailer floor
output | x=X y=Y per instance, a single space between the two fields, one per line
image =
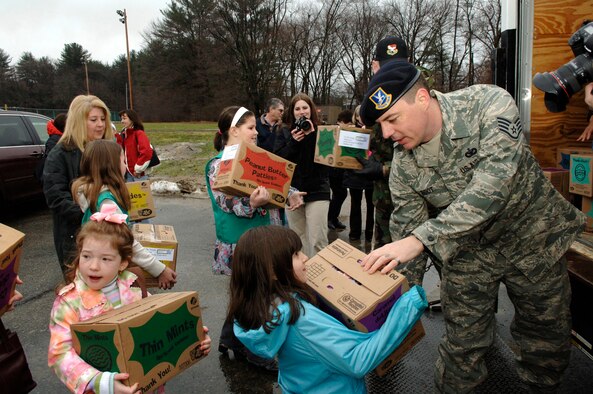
x=414 y=373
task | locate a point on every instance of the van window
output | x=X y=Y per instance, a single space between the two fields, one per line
x=40 y=125
x=13 y=132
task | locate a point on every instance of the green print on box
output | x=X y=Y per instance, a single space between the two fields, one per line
x=326 y=142
x=164 y=338
x=152 y=339
x=353 y=152
x=580 y=170
x=98 y=349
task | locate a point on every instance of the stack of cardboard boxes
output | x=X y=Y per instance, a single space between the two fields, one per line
x=578 y=163
x=573 y=178
x=158 y=239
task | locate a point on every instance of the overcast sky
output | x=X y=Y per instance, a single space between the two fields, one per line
x=43 y=27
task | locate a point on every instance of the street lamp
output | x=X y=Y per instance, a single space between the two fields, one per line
x=124 y=20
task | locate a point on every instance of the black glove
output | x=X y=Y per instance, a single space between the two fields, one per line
x=371 y=168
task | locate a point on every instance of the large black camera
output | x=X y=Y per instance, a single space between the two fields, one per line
x=302 y=123
x=560 y=85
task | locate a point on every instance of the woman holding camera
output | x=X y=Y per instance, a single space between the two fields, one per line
x=296 y=142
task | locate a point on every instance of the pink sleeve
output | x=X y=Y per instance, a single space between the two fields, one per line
x=72 y=370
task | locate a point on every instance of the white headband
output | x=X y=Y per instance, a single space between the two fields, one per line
x=240 y=112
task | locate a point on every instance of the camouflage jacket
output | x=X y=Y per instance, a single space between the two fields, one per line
x=382 y=151
x=486 y=185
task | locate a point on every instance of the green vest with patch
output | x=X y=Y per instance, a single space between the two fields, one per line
x=230 y=227
x=104 y=195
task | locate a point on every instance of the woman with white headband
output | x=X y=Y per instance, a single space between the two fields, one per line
x=234 y=215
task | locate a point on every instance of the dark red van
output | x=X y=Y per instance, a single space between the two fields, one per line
x=22 y=143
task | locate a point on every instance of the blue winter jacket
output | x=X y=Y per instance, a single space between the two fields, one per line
x=318 y=354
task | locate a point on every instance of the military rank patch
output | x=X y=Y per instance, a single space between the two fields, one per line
x=512 y=129
x=380 y=99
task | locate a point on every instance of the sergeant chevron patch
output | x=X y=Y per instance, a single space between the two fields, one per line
x=513 y=129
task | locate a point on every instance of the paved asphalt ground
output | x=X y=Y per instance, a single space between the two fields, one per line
x=193 y=222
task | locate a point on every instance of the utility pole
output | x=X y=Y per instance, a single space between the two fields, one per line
x=124 y=20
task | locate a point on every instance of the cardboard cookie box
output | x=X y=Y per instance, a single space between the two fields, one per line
x=563 y=155
x=244 y=167
x=580 y=180
x=160 y=241
x=152 y=339
x=11 y=247
x=359 y=300
x=340 y=146
x=141 y=199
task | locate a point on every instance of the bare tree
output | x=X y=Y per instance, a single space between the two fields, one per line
x=293 y=53
x=249 y=30
x=414 y=21
x=312 y=50
x=359 y=33
x=203 y=55
x=327 y=52
x=487 y=32
x=179 y=63
x=469 y=13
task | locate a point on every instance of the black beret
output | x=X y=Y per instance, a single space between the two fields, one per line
x=390 y=48
x=390 y=83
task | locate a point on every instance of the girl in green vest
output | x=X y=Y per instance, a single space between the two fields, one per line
x=102 y=170
x=234 y=215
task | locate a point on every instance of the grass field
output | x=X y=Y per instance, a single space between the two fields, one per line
x=163 y=135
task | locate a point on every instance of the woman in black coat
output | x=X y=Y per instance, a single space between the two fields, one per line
x=296 y=142
x=88 y=119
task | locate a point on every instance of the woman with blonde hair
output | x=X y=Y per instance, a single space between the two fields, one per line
x=86 y=121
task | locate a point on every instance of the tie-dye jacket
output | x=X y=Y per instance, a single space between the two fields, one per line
x=77 y=302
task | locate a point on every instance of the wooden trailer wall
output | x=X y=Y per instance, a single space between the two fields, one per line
x=554 y=22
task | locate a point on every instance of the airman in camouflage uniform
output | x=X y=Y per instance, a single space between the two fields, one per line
x=499 y=220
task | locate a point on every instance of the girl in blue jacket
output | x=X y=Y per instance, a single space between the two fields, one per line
x=274 y=314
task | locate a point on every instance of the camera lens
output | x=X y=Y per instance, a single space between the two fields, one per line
x=303 y=124
x=560 y=85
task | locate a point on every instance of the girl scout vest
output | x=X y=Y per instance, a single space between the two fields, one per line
x=230 y=227
x=104 y=195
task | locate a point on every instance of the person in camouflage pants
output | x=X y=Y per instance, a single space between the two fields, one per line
x=382 y=152
x=498 y=220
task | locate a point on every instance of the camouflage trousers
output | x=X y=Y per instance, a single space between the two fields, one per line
x=541 y=325
x=382 y=217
